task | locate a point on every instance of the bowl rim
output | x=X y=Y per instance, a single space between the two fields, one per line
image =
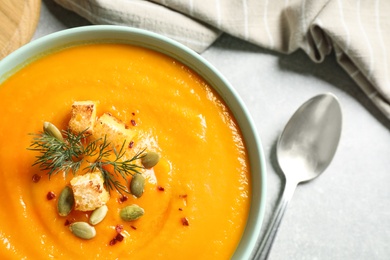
x=134 y=36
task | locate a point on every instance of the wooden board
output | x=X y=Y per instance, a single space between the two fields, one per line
x=18 y=21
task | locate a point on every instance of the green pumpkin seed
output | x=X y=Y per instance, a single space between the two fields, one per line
x=98 y=215
x=65 y=202
x=82 y=230
x=150 y=159
x=137 y=185
x=52 y=130
x=131 y=212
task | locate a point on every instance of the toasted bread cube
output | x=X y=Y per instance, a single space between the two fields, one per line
x=89 y=192
x=113 y=129
x=83 y=116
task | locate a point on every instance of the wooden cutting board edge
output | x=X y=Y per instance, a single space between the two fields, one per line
x=18 y=25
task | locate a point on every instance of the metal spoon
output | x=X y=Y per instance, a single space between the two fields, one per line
x=304 y=150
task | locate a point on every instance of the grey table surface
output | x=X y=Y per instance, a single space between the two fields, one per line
x=343 y=214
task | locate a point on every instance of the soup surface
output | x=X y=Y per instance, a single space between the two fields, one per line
x=196 y=199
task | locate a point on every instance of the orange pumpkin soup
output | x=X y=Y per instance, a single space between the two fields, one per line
x=196 y=199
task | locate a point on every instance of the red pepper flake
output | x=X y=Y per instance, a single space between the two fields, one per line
x=185 y=222
x=123 y=199
x=68 y=222
x=113 y=242
x=131 y=144
x=180 y=209
x=133 y=227
x=119 y=228
x=183 y=196
x=160 y=188
x=36 y=178
x=133 y=114
x=119 y=238
x=50 y=195
x=133 y=122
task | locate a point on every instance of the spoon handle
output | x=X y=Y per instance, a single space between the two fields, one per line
x=264 y=249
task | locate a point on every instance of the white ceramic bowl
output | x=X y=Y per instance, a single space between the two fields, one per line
x=108 y=33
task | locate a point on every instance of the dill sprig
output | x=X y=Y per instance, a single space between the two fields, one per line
x=67 y=155
x=56 y=155
x=119 y=168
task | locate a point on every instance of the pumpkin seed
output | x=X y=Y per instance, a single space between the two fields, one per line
x=150 y=159
x=132 y=212
x=98 y=215
x=65 y=202
x=82 y=230
x=52 y=130
x=137 y=185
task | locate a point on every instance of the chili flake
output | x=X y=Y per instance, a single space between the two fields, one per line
x=131 y=144
x=36 y=178
x=185 y=222
x=160 y=188
x=119 y=228
x=123 y=199
x=133 y=227
x=68 y=222
x=133 y=122
x=119 y=238
x=50 y=195
x=112 y=242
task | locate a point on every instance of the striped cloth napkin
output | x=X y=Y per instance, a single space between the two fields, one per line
x=357 y=30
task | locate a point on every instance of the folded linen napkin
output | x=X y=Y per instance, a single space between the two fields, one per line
x=357 y=30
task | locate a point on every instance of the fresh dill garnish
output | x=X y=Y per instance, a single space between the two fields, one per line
x=120 y=168
x=67 y=155
x=57 y=155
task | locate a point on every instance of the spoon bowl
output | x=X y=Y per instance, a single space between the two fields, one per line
x=304 y=150
x=310 y=139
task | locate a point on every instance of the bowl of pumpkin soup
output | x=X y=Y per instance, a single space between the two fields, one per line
x=120 y=143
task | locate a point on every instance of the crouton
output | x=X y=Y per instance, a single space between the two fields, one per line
x=89 y=192
x=83 y=116
x=113 y=129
